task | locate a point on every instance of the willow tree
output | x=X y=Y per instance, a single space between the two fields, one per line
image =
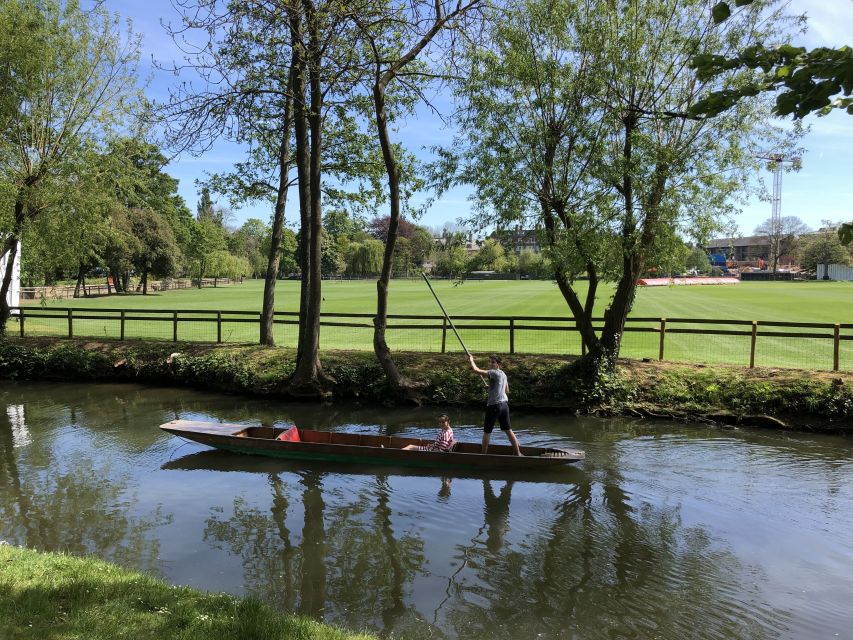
x=574 y=120
x=68 y=77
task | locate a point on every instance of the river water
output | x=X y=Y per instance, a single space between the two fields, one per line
x=666 y=530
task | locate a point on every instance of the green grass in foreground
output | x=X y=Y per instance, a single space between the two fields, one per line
x=49 y=595
x=829 y=302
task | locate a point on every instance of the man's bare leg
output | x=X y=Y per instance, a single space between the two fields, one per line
x=486 y=438
x=514 y=441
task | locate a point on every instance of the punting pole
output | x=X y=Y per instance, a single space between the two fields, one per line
x=452 y=326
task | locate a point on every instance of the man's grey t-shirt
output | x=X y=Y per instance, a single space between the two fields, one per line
x=497 y=387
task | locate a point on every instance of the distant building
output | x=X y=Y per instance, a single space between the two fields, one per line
x=13 y=298
x=469 y=243
x=747 y=249
x=518 y=239
x=751 y=251
x=525 y=239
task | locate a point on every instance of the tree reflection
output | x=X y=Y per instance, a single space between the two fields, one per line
x=70 y=503
x=602 y=559
x=349 y=561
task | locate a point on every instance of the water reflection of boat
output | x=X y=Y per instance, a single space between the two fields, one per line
x=305 y=444
x=223 y=461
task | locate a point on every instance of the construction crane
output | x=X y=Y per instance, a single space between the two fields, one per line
x=776 y=162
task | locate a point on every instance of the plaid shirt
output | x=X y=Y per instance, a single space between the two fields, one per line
x=443 y=442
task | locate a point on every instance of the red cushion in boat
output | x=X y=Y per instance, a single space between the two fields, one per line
x=291 y=435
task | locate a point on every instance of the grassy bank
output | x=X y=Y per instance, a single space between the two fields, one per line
x=796 y=399
x=49 y=595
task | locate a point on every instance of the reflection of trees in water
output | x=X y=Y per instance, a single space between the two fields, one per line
x=605 y=563
x=72 y=505
x=348 y=564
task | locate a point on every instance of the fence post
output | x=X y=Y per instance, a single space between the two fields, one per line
x=752 y=345
x=174 y=326
x=512 y=335
x=444 y=334
x=662 y=337
x=836 y=347
x=70 y=323
x=218 y=326
x=261 y=325
x=21 y=318
x=121 y=332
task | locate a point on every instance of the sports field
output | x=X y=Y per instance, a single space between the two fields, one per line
x=822 y=302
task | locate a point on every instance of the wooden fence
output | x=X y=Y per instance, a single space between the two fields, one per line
x=90 y=290
x=774 y=343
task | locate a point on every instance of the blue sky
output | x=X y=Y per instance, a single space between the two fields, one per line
x=822 y=189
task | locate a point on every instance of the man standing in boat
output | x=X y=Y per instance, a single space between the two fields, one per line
x=497 y=406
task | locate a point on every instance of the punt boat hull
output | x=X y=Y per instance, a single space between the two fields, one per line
x=363 y=448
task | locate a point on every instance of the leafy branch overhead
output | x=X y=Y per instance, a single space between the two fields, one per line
x=810 y=81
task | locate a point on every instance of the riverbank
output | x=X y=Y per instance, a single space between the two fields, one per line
x=51 y=595
x=776 y=398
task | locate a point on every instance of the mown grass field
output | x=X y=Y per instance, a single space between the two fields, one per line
x=823 y=302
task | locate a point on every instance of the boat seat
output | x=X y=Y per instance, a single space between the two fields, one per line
x=291 y=435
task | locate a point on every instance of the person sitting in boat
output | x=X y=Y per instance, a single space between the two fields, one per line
x=444 y=440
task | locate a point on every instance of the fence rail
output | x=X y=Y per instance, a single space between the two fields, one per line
x=57 y=292
x=810 y=345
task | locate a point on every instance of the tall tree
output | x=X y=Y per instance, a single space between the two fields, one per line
x=782 y=236
x=396 y=36
x=574 y=121
x=72 y=77
x=204 y=207
x=157 y=251
x=248 y=58
x=208 y=238
x=823 y=247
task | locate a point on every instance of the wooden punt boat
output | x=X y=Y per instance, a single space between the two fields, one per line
x=305 y=444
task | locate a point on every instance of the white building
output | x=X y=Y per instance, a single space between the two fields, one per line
x=13 y=298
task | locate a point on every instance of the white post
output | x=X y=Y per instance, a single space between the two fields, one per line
x=13 y=298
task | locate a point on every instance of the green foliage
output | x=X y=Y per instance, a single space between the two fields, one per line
x=823 y=248
x=584 y=385
x=574 y=117
x=490 y=257
x=806 y=81
x=363 y=257
x=698 y=260
x=451 y=261
x=711 y=390
x=845 y=233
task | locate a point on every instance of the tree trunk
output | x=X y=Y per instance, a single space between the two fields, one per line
x=581 y=313
x=145 y=282
x=397 y=380
x=116 y=277
x=10 y=250
x=80 y=274
x=308 y=379
x=268 y=309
